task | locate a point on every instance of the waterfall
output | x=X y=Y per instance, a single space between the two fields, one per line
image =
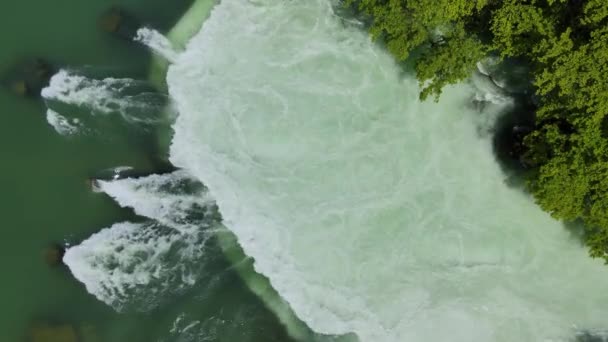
x=369 y=211
x=366 y=211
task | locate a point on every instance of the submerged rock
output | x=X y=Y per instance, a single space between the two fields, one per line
x=511 y=75
x=53 y=255
x=45 y=332
x=19 y=87
x=93 y=185
x=518 y=133
x=158 y=167
x=51 y=331
x=510 y=132
x=27 y=78
x=590 y=336
x=119 y=23
x=88 y=333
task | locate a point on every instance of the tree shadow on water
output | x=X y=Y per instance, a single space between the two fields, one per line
x=590 y=336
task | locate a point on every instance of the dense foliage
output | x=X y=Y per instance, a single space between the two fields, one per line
x=565 y=43
x=436 y=26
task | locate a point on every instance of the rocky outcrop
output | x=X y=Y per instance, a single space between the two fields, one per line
x=46 y=332
x=510 y=75
x=119 y=23
x=53 y=255
x=28 y=77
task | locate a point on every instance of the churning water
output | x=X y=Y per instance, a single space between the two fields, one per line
x=370 y=212
x=138 y=266
x=77 y=102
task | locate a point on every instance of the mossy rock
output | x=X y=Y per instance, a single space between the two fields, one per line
x=19 y=87
x=119 y=22
x=40 y=69
x=111 y=20
x=88 y=333
x=43 y=332
x=53 y=255
x=28 y=77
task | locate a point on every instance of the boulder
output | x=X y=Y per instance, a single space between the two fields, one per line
x=88 y=333
x=53 y=255
x=19 y=87
x=111 y=20
x=119 y=23
x=45 y=332
x=28 y=77
x=93 y=185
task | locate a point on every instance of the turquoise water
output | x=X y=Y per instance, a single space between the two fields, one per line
x=47 y=198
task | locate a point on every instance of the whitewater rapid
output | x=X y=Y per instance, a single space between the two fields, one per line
x=137 y=266
x=78 y=103
x=369 y=211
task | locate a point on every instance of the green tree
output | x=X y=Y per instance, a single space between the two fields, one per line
x=435 y=69
x=573 y=183
x=567 y=46
x=434 y=26
x=519 y=27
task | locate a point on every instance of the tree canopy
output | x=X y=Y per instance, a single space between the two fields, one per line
x=437 y=27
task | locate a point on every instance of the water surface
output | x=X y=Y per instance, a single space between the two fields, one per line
x=47 y=198
x=369 y=211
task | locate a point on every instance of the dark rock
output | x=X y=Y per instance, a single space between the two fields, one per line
x=88 y=333
x=40 y=69
x=513 y=75
x=589 y=336
x=45 y=332
x=37 y=75
x=27 y=78
x=159 y=166
x=478 y=105
x=53 y=255
x=19 y=87
x=162 y=165
x=93 y=184
x=515 y=144
x=510 y=132
x=111 y=21
x=119 y=23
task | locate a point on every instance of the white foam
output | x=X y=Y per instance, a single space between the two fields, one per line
x=488 y=91
x=122 y=264
x=369 y=211
x=104 y=96
x=138 y=266
x=488 y=66
x=61 y=124
x=158 y=43
x=118 y=171
x=163 y=198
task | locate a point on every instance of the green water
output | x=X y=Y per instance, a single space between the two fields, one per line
x=46 y=198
